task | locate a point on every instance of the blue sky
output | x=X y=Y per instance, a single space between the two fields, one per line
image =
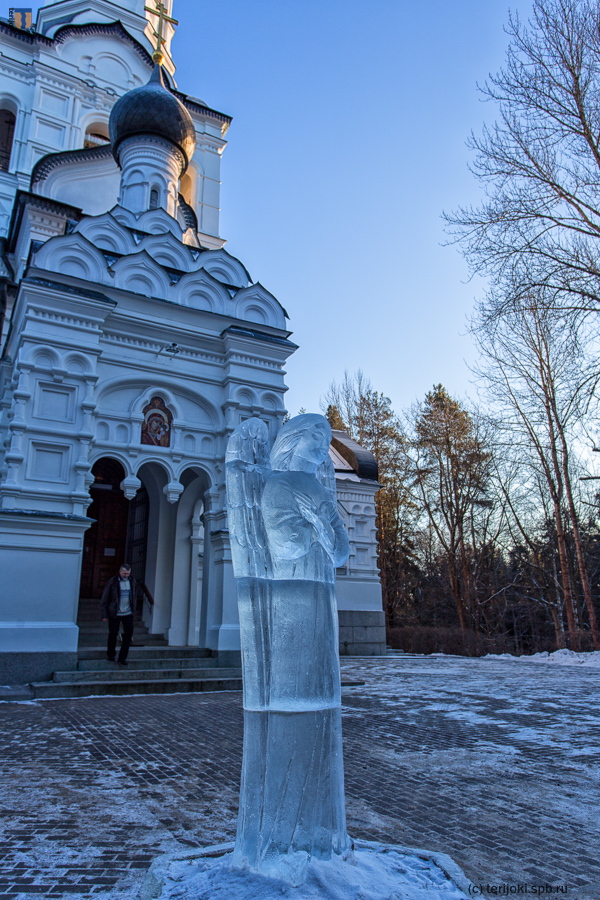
x=348 y=142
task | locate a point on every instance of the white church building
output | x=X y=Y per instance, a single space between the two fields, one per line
x=132 y=343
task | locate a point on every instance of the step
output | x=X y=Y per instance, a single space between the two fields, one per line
x=96 y=638
x=88 y=642
x=127 y=673
x=165 y=652
x=97 y=622
x=102 y=628
x=150 y=662
x=48 y=690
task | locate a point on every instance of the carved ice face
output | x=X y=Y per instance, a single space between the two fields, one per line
x=310 y=451
x=302 y=444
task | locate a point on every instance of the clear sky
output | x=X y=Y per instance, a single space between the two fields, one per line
x=348 y=141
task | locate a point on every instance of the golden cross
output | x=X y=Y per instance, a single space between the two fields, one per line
x=161 y=12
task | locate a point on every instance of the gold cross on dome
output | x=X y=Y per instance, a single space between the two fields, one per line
x=160 y=10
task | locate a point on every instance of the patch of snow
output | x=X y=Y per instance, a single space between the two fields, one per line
x=370 y=872
x=558 y=657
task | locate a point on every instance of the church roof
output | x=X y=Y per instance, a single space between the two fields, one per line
x=51 y=161
x=361 y=461
x=153 y=109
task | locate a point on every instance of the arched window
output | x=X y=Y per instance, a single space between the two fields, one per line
x=96 y=136
x=154 y=196
x=186 y=189
x=7 y=132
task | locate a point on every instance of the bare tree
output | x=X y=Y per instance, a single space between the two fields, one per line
x=542 y=381
x=368 y=418
x=538 y=230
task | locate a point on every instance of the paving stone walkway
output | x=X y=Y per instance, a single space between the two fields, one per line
x=496 y=763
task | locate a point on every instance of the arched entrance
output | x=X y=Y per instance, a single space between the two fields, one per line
x=164 y=542
x=119 y=532
x=175 y=572
x=105 y=540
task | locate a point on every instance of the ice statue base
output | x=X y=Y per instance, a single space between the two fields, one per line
x=370 y=872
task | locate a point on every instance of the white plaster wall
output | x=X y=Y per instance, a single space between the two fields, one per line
x=40 y=561
x=357 y=583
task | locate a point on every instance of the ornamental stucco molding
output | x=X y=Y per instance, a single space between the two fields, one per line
x=207 y=141
x=156 y=347
x=15 y=69
x=254 y=361
x=71 y=84
x=73 y=321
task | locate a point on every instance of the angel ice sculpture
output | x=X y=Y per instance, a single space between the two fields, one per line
x=287 y=539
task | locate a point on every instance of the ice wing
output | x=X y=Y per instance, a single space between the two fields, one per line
x=247 y=465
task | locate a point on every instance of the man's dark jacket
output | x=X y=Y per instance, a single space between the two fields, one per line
x=109 y=605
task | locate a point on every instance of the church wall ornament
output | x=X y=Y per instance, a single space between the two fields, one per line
x=157 y=424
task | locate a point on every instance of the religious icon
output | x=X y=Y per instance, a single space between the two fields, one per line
x=156 y=427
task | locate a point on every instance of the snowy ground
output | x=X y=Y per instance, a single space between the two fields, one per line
x=369 y=872
x=558 y=657
x=493 y=761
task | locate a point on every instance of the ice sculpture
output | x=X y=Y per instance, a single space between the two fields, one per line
x=286 y=540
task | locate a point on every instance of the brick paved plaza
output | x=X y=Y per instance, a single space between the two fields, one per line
x=494 y=762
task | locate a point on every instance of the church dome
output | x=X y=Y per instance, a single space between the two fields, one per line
x=153 y=109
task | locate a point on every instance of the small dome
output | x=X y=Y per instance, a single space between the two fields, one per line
x=153 y=109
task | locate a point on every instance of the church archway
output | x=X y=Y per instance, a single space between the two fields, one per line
x=105 y=541
x=119 y=532
x=164 y=543
x=188 y=603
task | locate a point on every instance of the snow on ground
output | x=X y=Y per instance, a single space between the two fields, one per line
x=558 y=657
x=369 y=873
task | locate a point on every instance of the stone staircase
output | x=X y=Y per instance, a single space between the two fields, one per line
x=93 y=631
x=152 y=666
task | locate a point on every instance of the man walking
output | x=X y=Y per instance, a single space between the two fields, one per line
x=117 y=606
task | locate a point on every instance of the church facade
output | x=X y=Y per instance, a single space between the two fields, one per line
x=132 y=344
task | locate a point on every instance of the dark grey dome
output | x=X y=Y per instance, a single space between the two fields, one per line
x=153 y=109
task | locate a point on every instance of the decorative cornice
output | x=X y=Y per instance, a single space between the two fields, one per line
x=198 y=107
x=51 y=161
x=256 y=361
x=264 y=337
x=47 y=204
x=69 y=289
x=17 y=70
x=92 y=28
x=74 y=321
x=24 y=199
x=28 y=37
x=67 y=31
x=156 y=347
x=44 y=514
